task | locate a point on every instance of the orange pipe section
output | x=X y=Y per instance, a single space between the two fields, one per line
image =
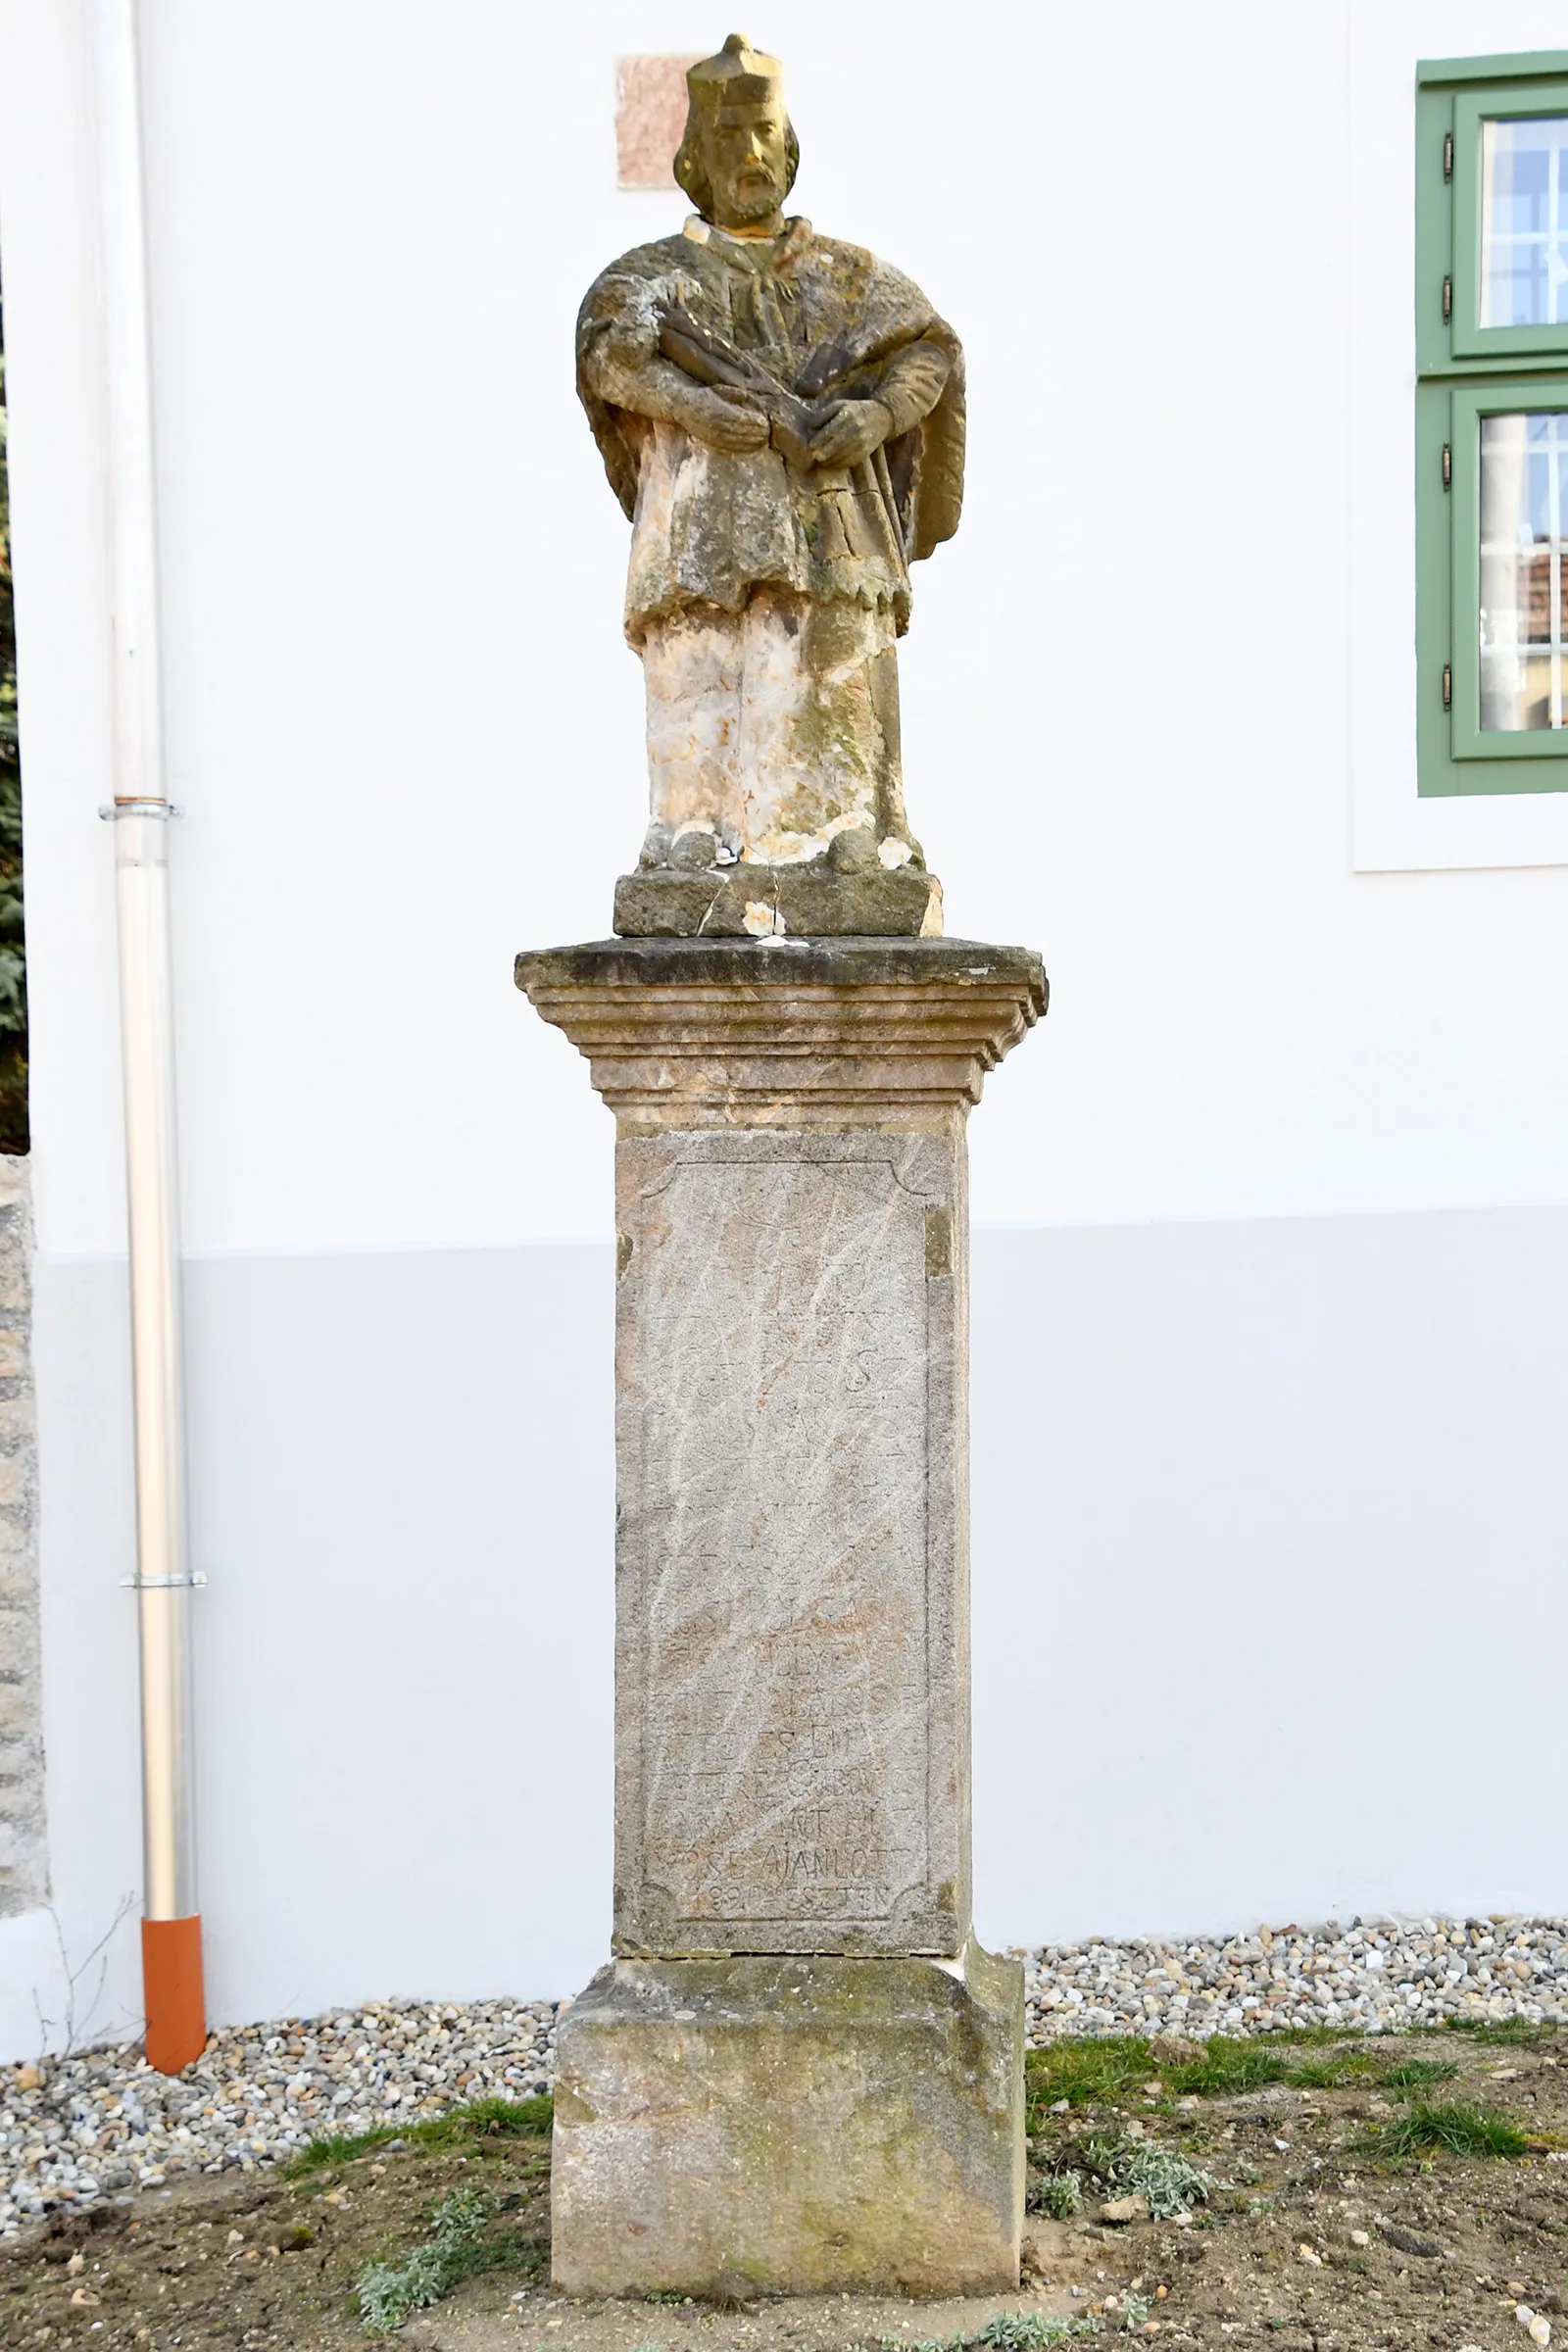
x=172 y=1982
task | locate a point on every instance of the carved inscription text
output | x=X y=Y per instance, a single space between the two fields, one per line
x=780 y=1350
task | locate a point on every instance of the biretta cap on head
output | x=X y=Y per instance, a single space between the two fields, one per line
x=739 y=76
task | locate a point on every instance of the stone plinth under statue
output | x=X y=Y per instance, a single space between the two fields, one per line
x=800 y=2072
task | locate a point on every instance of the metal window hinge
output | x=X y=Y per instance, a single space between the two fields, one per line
x=1448 y=466
x=1447 y=686
x=1447 y=155
x=1448 y=300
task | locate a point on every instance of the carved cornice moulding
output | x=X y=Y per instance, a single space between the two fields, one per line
x=824 y=1032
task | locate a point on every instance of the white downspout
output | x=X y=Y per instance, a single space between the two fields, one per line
x=172 y=1951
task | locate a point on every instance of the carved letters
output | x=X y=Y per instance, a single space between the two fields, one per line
x=774 y=1361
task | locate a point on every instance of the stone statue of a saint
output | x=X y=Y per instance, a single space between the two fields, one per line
x=781 y=416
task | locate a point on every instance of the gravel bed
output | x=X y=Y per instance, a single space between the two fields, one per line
x=74 y=2131
x=1374 y=1977
x=102 y=2124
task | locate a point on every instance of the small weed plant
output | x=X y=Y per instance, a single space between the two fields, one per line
x=1032 y=2330
x=1144 y=2168
x=389 y=2292
x=1059 y=2194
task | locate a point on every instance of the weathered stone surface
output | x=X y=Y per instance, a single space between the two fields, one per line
x=890 y=1034
x=770 y=2088
x=743 y=2126
x=757 y=901
x=792 y=1657
x=782 y=418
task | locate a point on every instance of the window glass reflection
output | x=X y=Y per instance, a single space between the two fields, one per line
x=1524 y=474
x=1524 y=223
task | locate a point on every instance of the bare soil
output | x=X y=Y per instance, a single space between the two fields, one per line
x=256 y=2260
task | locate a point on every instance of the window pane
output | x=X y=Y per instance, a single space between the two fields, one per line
x=1524 y=223
x=1524 y=506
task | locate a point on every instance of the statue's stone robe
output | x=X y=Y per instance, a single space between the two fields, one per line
x=764 y=597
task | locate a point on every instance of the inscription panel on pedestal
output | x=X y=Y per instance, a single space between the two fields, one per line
x=773 y=1371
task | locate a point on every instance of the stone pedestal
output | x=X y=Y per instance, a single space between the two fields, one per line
x=791 y=2126
x=801 y=2071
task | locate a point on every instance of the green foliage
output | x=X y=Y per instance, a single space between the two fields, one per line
x=1090 y=2074
x=1299 y=2035
x=388 y=2292
x=1457 y=2128
x=1024 y=2331
x=1228 y=2066
x=1059 y=2194
x=480 y=2120
x=1099 y=2073
x=1418 y=2074
x=1145 y=2168
x=1325 y=2073
x=1508 y=2032
x=1031 y=2331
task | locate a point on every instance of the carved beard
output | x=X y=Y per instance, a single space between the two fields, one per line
x=753 y=196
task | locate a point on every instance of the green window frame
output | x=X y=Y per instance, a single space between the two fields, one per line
x=1467 y=373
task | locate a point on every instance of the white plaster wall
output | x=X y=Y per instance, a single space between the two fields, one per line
x=1270 y=1523
x=407 y=737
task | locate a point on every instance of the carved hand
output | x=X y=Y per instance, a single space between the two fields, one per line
x=853 y=429
x=723 y=419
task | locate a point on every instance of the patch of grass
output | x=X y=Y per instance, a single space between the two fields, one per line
x=1229 y=2065
x=1456 y=2126
x=1099 y=2073
x=480 y=2119
x=1508 y=2032
x=1327 y=2074
x=1417 y=2074
x=1090 y=2074
x=1314 y=2035
x=388 y=2292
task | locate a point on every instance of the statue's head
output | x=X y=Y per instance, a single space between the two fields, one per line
x=739 y=155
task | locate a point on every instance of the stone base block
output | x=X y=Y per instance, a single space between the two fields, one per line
x=791 y=2126
x=802 y=902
